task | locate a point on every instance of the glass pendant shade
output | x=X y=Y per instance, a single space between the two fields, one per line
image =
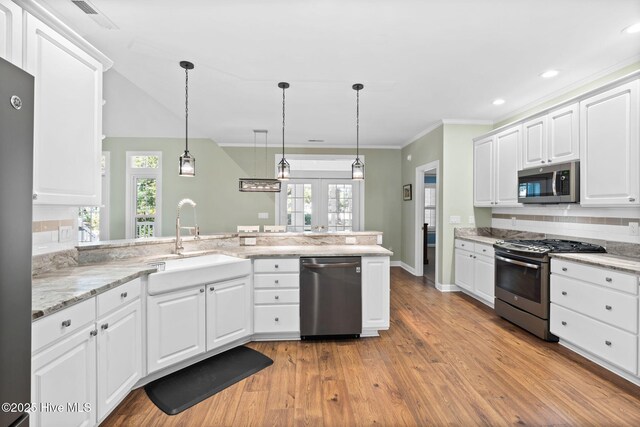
x=187 y=164
x=357 y=170
x=284 y=170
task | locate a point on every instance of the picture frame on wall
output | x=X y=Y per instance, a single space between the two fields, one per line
x=406 y=192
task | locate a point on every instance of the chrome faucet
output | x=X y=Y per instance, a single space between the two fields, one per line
x=195 y=228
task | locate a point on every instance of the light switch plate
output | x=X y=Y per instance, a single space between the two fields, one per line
x=249 y=241
x=633 y=228
x=64 y=233
x=263 y=215
x=472 y=219
x=379 y=239
x=513 y=221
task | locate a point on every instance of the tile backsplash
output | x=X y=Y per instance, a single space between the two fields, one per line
x=54 y=228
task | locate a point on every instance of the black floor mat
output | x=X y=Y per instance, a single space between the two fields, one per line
x=186 y=387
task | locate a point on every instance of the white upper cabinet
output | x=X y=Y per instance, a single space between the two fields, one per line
x=483 y=172
x=11 y=32
x=552 y=138
x=609 y=146
x=507 y=148
x=67 y=118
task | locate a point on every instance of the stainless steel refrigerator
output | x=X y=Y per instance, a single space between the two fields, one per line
x=16 y=178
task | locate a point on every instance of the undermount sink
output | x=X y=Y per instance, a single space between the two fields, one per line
x=175 y=274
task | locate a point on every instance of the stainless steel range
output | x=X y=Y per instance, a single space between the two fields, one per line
x=522 y=280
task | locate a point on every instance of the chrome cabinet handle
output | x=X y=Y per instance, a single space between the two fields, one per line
x=608 y=307
x=607 y=342
x=123 y=295
x=484 y=250
x=564 y=323
x=104 y=326
x=564 y=292
x=66 y=323
x=93 y=333
x=277 y=297
x=564 y=268
x=608 y=279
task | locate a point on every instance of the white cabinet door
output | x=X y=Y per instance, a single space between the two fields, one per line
x=483 y=278
x=507 y=164
x=65 y=375
x=563 y=144
x=609 y=147
x=229 y=312
x=464 y=269
x=11 y=32
x=375 y=292
x=119 y=356
x=534 y=142
x=483 y=180
x=67 y=118
x=175 y=327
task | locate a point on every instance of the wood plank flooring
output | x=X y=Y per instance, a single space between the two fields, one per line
x=446 y=360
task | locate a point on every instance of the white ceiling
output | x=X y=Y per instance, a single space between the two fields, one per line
x=420 y=61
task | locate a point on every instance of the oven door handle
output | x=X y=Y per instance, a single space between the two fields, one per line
x=513 y=261
x=553 y=183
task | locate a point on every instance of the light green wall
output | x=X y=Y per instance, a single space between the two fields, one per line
x=221 y=207
x=571 y=94
x=452 y=146
x=383 y=194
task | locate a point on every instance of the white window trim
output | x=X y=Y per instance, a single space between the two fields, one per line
x=131 y=175
x=330 y=173
x=106 y=197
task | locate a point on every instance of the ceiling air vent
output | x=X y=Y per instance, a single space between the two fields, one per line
x=85 y=7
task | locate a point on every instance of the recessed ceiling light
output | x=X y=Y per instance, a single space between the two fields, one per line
x=631 y=29
x=498 y=101
x=549 y=73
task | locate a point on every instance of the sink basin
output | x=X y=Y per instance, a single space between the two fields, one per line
x=195 y=271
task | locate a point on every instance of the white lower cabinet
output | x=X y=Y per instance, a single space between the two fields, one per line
x=63 y=381
x=375 y=294
x=595 y=310
x=229 y=312
x=119 y=355
x=475 y=270
x=276 y=312
x=175 y=327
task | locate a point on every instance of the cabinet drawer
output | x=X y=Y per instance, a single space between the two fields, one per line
x=483 y=249
x=609 y=306
x=61 y=324
x=118 y=297
x=276 y=318
x=276 y=265
x=276 y=281
x=611 y=344
x=618 y=280
x=465 y=244
x=277 y=296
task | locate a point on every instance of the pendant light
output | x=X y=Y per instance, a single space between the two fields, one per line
x=284 y=169
x=187 y=161
x=259 y=185
x=357 y=167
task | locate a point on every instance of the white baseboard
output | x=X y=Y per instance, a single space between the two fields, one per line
x=396 y=263
x=408 y=268
x=447 y=288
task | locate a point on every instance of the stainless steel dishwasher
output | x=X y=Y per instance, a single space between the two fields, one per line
x=330 y=297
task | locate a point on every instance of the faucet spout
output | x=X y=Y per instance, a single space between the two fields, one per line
x=196 y=230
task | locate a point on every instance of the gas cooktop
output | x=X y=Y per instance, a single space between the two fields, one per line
x=546 y=246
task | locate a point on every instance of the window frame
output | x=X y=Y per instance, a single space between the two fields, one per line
x=132 y=174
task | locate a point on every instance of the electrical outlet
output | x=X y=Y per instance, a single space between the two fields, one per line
x=472 y=219
x=350 y=241
x=454 y=219
x=263 y=215
x=513 y=221
x=64 y=233
x=249 y=241
x=379 y=239
x=633 y=228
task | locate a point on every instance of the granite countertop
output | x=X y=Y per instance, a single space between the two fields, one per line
x=53 y=291
x=480 y=239
x=614 y=262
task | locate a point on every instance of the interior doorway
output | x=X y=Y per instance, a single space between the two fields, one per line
x=426 y=221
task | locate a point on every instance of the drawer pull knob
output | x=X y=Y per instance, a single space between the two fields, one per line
x=541 y=161
x=608 y=279
x=632 y=199
x=564 y=292
x=462 y=245
x=277 y=281
x=201 y=290
x=66 y=323
x=564 y=323
x=608 y=307
x=277 y=319
x=608 y=343
x=93 y=333
x=212 y=289
x=276 y=266
x=564 y=268
x=484 y=250
x=104 y=326
x=123 y=295
x=277 y=297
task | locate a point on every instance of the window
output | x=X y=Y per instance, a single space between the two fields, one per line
x=93 y=221
x=144 y=178
x=430 y=205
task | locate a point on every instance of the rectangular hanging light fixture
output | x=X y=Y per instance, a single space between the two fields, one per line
x=259 y=185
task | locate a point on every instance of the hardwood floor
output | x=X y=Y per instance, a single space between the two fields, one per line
x=446 y=360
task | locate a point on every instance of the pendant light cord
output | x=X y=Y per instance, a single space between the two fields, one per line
x=357 y=124
x=283 y=89
x=186 y=109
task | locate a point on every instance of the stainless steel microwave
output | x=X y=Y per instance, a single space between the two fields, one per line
x=550 y=184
